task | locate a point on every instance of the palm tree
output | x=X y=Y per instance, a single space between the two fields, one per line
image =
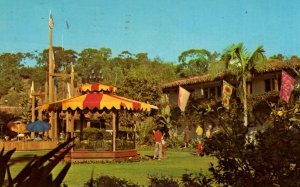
x=237 y=61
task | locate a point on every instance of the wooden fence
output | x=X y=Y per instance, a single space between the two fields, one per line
x=28 y=146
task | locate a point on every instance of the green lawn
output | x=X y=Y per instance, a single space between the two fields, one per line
x=177 y=163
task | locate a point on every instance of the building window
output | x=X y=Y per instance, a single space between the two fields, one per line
x=212 y=93
x=205 y=90
x=268 y=85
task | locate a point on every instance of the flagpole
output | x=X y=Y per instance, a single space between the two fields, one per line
x=51 y=70
x=32 y=107
x=50 y=78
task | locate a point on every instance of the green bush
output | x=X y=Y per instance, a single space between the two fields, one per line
x=104 y=181
x=272 y=159
x=92 y=134
x=196 y=179
x=163 y=181
x=187 y=180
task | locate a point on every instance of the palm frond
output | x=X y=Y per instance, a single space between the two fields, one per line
x=257 y=57
x=216 y=67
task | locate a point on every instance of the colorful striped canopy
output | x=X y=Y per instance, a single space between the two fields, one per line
x=95 y=87
x=98 y=101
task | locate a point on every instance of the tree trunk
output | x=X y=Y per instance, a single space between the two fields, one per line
x=245 y=101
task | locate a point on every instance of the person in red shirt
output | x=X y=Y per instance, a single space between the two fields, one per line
x=158 y=144
x=199 y=147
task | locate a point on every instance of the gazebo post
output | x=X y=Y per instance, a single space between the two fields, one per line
x=32 y=114
x=134 y=135
x=71 y=124
x=114 y=120
x=81 y=125
x=117 y=123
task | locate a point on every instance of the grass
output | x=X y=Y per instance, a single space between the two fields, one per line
x=176 y=164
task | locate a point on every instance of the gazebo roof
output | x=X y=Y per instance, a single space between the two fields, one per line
x=96 y=87
x=97 y=101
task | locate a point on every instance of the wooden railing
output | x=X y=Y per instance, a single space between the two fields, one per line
x=28 y=146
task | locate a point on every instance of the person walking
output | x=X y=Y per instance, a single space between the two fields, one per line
x=199 y=132
x=158 y=144
x=208 y=132
x=199 y=148
x=187 y=136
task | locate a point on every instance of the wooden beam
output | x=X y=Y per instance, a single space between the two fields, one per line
x=216 y=92
x=276 y=82
x=114 y=117
x=32 y=114
x=38 y=94
x=52 y=134
x=60 y=75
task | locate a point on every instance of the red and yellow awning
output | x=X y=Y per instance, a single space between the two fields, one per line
x=98 y=101
x=95 y=87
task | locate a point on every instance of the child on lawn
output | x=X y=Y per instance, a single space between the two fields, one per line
x=199 y=147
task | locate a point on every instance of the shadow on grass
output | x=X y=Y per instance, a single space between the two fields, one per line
x=149 y=156
x=23 y=158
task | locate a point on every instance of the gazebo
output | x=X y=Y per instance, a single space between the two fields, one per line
x=105 y=143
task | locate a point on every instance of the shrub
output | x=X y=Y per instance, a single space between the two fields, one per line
x=92 y=134
x=187 y=180
x=195 y=180
x=272 y=159
x=109 y=181
x=38 y=171
x=162 y=181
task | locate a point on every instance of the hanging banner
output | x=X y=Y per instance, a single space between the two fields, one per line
x=227 y=91
x=183 y=97
x=287 y=85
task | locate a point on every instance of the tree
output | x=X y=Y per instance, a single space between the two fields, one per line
x=142 y=57
x=62 y=58
x=10 y=78
x=92 y=59
x=141 y=85
x=278 y=57
x=237 y=61
x=195 y=61
x=271 y=159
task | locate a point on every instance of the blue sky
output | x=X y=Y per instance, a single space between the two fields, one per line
x=162 y=28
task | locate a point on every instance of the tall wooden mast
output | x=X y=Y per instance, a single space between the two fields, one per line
x=50 y=77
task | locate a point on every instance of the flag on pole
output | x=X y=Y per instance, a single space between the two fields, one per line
x=287 y=85
x=31 y=89
x=51 y=22
x=227 y=91
x=183 y=98
x=67 y=24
